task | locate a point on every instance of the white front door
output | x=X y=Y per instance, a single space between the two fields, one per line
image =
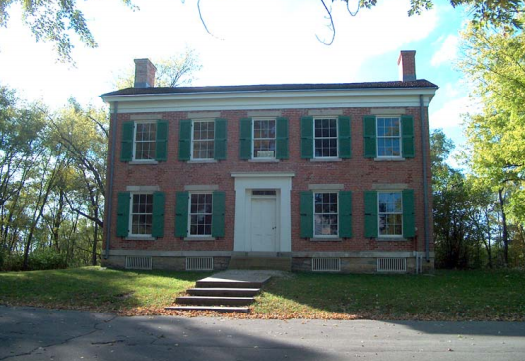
x=263 y=224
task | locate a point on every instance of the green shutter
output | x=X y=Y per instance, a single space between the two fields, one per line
x=157 y=228
x=162 y=141
x=245 y=138
x=371 y=214
x=344 y=137
x=369 y=134
x=218 y=209
x=185 y=139
x=181 y=214
x=282 y=151
x=126 y=147
x=345 y=214
x=307 y=137
x=407 y=128
x=123 y=200
x=409 y=221
x=307 y=216
x=221 y=136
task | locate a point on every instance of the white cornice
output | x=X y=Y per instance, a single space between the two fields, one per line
x=309 y=99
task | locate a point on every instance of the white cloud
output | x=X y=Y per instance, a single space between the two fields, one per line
x=451 y=114
x=447 y=52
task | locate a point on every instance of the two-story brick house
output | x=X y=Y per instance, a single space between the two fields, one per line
x=318 y=177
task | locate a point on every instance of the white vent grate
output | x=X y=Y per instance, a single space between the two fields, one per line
x=326 y=264
x=199 y=263
x=138 y=262
x=391 y=265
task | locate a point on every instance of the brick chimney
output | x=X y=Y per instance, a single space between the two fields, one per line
x=407 y=65
x=144 y=73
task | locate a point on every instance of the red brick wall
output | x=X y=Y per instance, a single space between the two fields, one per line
x=358 y=174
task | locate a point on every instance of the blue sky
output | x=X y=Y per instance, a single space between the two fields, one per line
x=254 y=42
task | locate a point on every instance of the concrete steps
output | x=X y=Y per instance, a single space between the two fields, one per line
x=227 y=292
x=209 y=308
x=223 y=292
x=215 y=301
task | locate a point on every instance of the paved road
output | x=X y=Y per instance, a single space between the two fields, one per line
x=36 y=334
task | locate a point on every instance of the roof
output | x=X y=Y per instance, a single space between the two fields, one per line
x=422 y=83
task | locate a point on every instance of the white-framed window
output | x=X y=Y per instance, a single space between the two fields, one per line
x=264 y=131
x=141 y=215
x=145 y=139
x=388 y=136
x=203 y=139
x=390 y=213
x=325 y=137
x=326 y=214
x=200 y=215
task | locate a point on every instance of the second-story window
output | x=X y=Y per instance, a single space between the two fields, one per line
x=325 y=137
x=145 y=141
x=388 y=137
x=264 y=138
x=203 y=139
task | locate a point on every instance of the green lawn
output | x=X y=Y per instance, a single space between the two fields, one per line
x=95 y=288
x=447 y=295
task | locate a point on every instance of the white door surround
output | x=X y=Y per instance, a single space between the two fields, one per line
x=245 y=238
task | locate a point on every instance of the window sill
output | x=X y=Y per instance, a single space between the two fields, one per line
x=327 y=159
x=199 y=239
x=267 y=160
x=389 y=159
x=391 y=239
x=326 y=239
x=143 y=162
x=139 y=238
x=202 y=161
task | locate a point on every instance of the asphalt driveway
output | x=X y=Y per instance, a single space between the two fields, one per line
x=37 y=334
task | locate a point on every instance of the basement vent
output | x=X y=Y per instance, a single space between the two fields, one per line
x=199 y=263
x=326 y=264
x=137 y=262
x=391 y=265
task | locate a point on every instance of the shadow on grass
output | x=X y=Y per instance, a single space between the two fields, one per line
x=447 y=295
x=95 y=288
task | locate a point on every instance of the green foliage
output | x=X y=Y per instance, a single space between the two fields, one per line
x=51 y=21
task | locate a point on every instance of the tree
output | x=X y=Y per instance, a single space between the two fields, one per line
x=494 y=61
x=177 y=70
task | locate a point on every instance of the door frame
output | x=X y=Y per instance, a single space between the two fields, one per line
x=245 y=182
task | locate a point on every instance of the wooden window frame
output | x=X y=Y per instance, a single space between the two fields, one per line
x=189 y=234
x=314 y=213
x=135 y=142
x=131 y=213
x=192 y=157
x=314 y=138
x=379 y=214
x=399 y=137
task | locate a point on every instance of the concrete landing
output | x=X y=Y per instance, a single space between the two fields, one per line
x=250 y=276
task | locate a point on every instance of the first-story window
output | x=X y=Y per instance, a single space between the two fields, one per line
x=388 y=137
x=390 y=213
x=325 y=137
x=203 y=139
x=145 y=140
x=325 y=214
x=200 y=215
x=141 y=215
x=264 y=138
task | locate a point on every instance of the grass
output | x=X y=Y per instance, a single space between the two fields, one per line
x=95 y=289
x=447 y=295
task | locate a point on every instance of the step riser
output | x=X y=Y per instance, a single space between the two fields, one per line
x=214 y=309
x=212 y=284
x=254 y=263
x=225 y=293
x=211 y=302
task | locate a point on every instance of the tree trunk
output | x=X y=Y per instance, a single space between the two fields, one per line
x=505 y=234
